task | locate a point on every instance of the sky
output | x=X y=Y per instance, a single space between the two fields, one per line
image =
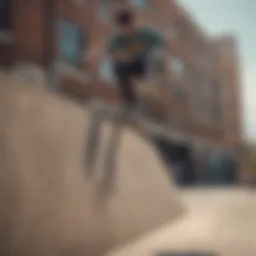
x=239 y=17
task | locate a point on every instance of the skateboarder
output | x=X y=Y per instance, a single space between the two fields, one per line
x=129 y=48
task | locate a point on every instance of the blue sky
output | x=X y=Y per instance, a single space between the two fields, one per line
x=239 y=17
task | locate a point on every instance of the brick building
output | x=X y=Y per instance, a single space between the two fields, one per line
x=203 y=102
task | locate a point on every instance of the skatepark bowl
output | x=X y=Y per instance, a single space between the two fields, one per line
x=51 y=202
x=53 y=205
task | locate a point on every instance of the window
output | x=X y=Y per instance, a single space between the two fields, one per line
x=5 y=15
x=205 y=87
x=216 y=112
x=140 y=3
x=177 y=67
x=198 y=47
x=106 y=71
x=71 y=44
x=103 y=11
x=202 y=98
x=173 y=33
x=179 y=91
x=104 y=8
x=201 y=111
x=80 y=2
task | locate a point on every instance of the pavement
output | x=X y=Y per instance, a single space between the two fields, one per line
x=219 y=221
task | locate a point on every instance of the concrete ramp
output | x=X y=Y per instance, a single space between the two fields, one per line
x=50 y=204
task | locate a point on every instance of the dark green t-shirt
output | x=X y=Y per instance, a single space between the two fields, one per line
x=138 y=44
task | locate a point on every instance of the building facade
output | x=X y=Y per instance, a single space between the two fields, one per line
x=202 y=100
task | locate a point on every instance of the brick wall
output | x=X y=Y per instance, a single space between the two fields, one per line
x=229 y=79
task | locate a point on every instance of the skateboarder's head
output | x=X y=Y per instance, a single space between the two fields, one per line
x=125 y=20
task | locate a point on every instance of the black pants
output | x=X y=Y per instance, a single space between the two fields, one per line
x=124 y=73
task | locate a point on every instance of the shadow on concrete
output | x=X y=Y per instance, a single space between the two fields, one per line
x=110 y=160
x=93 y=145
x=93 y=142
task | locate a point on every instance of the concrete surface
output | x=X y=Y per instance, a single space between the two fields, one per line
x=49 y=204
x=47 y=208
x=220 y=221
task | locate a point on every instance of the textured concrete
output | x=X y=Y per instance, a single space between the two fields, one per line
x=49 y=204
x=219 y=221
